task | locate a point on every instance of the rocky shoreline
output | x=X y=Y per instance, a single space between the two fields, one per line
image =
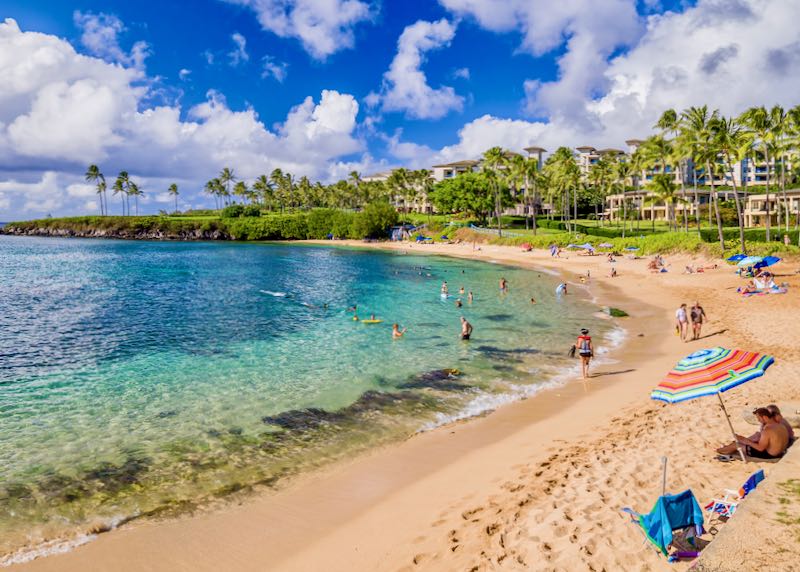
x=122 y=234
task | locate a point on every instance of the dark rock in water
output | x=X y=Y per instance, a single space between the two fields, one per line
x=441 y=379
x=214 y=433
x=62 y=487
x=165 y=414
x=499 y=317
x=16 y=491
x=302 y=419
x=113 y=478
x=430 y=325
x=371 y=401
x=505 y=368
x=235 y=431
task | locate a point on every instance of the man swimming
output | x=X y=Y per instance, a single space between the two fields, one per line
x=397 y=332
x=466 y=329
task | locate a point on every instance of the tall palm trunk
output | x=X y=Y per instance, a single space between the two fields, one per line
x=624 y=211
x=739 y=213
x=786 y=207
x=766 y=206
x=696 y=197
x=683 y=196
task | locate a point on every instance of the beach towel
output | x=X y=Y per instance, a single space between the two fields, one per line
x=671 y=512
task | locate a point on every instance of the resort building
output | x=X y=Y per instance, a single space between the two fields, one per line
x=450 y=170
x=648 y=208
x=755 y=207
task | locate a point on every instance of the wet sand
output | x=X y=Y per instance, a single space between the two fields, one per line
x=536 y=485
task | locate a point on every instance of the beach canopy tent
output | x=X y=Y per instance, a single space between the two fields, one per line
x=585 y=246
x=421 y=238
x=605 y=245
x=670 y=513
x=711 y=372
x=631 y=248
x=766 y=261
x=401 y=232
x=737 y=257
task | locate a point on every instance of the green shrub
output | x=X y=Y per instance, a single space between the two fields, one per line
x=251 y=211
x=374 y=221
x=232 y=211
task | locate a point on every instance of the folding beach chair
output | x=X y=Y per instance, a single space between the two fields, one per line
x=726 y=506
x=671 y=513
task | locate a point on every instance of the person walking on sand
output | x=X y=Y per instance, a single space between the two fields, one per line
x=698 y=316
x=583 y=345
x=681 y=322
x=466 y=329
x=397 y=332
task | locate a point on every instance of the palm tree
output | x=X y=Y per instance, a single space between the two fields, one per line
x=240 y=189
x=697 y=137
x=425 y=181
x=119 y=188
x=624 y=170
x=530 y=171
x=277 y=179
x=730 y=139
x=126 y=189
x=173 y=190
x=492 y=160
x=226 y=177
x=780 y=127
x=263 y=187
x=93 y=175
x=663 y=187
x=211 y=188
x=759 y=121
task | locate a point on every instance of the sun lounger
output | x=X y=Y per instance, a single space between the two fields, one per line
x=671 y=513
x=726 y=506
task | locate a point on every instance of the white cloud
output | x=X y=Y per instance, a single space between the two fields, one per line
x=209 y=57
x=270 y=67
x=323 y=26
x=729 y=54
x=60 y=111
x=184 y=74
x=462 y=73
x=405 y=86
x=99 y=37
x=589 y=31
x=239 y=53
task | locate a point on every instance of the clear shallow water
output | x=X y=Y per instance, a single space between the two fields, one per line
x=141 y=377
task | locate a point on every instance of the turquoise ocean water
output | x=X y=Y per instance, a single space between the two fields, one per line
x=143 y=378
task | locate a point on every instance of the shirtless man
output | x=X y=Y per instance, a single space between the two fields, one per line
x=503 y=285
x=470 y=297
x=698 y=316
x=397 y=332
x=730 y=448
x=466 y=329
x=773 y=440
x=444 y=287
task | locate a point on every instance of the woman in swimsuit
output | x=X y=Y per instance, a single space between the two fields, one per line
x=585 y=349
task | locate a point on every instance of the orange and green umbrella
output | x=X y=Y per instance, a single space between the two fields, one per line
x=711 y=372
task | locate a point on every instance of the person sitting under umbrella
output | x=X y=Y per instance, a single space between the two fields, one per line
x=730 y=448
x=772 y=441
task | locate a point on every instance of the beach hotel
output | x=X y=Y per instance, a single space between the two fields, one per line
x=745 y=174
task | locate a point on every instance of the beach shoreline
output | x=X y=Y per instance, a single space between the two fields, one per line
x=425 y=503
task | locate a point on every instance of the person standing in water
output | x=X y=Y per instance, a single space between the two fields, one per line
x=444 y=287
x=397 y=332
x=469 y=297
x=503 y=285
x=466 y=329
x=585 y=350
x=461 y=290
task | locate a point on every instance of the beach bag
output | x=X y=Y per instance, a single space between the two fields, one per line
x=571 y=352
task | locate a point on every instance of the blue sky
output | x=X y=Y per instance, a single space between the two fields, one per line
x=466 y=74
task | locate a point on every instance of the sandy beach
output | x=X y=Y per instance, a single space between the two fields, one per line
x=535 y=485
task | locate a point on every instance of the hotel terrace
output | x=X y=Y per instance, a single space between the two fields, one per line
x=745 y=174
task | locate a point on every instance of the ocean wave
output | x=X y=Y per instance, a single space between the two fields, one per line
x=48 y=548
x=276 y=294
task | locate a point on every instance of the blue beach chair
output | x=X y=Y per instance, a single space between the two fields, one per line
x=727 y=505
x=671 y=513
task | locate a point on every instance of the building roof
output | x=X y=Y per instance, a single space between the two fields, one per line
x=465 y=163
x=585 y=148
x=634 y=142
x=611 y=152
x=379 y=175
x=535 y=150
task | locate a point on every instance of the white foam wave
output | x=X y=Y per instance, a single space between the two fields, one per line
x=49 y=548
x=276 y=294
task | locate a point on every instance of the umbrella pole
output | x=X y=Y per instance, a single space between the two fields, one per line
x=664 y=476
x=728 y=419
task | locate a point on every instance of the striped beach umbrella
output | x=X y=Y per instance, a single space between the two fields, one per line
x=711 y=372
